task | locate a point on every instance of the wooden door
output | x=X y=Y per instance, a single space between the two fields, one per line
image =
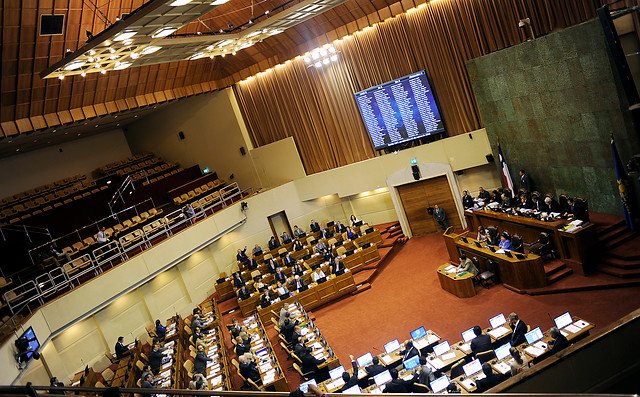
x=416 y=197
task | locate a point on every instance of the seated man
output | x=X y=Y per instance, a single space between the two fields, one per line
x=559 y=341
x=310 y=365
x=466 y=265
x=326 y=233
x=244 y=293
x=339 y=227
x=287 y=329
x=481 y=343
x=337 y=266
x=265 y=299
x=467 y=200
x=252 y=264
x=248 y=368
x=398 y=385
x=238 y=282
x=286 y=239
x=409 y=350
x=273 y=243
x=297 y=283
x=491 y=379
x=281 y=276
x=321 y=248
x=551 y=204
x=288 y=260
x=314 y=226
x=297 y=232
x=375 y=368
x=483 y=195
x=257 y=250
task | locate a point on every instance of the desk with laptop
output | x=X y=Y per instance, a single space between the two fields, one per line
x=270 y=371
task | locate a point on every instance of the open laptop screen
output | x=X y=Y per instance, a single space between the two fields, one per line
x=439 y=384
x=497 y=321
x=364 y=360
x=534 y=335
x=441 y=348
x=563 y=320
x=304 y=387
x=468 y=335
x=336 y=372
x=503 y=351
x=382 y=378
x=392 y=346
x=412 y=362
x=418 y=333
x=472 y=368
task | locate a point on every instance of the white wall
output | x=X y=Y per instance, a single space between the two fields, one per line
x=39 y=167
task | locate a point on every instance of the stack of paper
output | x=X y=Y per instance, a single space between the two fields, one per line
x=468 y=384
x=386 y=359
x=465 y=347
x=448 y=356
x=533 y=351
x=581 y=324
x=572 y=328
x=498 y=332
x=502 y=367
x=436 y=362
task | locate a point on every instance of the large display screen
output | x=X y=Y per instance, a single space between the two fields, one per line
x=400 y=110
x=27 y=345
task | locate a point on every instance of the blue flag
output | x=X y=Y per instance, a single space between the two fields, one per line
x=623 y=188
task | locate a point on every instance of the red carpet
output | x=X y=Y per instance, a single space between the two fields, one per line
x=407 y=294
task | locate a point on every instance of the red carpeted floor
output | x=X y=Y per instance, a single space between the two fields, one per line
x=407 y=294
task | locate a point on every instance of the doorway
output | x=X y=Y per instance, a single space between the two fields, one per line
x=279 y=223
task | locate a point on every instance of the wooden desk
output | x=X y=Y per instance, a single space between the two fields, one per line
x=225 y=290
x=580 y=332
x=518 y=273
x=316 y=295
x=259 y=340
x=460 y=286
x=576 y=248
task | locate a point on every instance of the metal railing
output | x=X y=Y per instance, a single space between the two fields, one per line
x=81 y=269
x=24 y=229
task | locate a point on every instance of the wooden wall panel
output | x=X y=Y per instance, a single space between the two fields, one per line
x=418 y=196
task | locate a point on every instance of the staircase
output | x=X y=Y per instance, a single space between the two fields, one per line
x=556 y=270
x=620 y=250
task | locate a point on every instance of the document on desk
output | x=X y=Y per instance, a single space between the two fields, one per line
x=465 y=347
x=500 y=251
x=571 y=328
x=269 y=377
x=436 y=362
x=421 y=343
x=581 y=324
x=498 y=332
x=387 y=359
x=266 y=367
x=216 y=380
x=448 y=356
x=502 y=367
x=540 y=345
x=407 y=377
x=450 y=269
x=468 y=384
x=534 y=351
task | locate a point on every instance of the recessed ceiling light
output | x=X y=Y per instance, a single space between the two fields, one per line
x=126 y=35
x=61 y=77
x=17 y=150
x=334 y=58
x=150 y=50
x=83 y=74
x=163 y=32
x=74 y=65
x=178 y=3
x=134 y=55
x=219 y=2
x=318 y=64
x=103 y=71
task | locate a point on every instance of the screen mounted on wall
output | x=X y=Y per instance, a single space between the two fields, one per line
x=400 y=110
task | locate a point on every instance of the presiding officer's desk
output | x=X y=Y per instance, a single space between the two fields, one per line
x=577 y=247
x=520 y=274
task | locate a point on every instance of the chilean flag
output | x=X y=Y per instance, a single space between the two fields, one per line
x=506 y=176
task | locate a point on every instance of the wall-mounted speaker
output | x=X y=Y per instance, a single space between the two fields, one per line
x=181 y=135
x=243 y=151
x=51 y=25
x=416 y=172
x=490 y=158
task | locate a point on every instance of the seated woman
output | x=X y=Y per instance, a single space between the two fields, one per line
x=317 y=274
x=353 y=220
x=505 y=242
x=482 y=234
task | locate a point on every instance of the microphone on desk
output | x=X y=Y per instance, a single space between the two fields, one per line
x=552 y=322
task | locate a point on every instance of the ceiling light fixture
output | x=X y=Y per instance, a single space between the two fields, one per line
x=121 y=66
x=219 y=2
x=75 y=65
x=150 y=50
x=61 y=77
x=163 y=32
x=126 y=35
x=178 y=3
x=134 y=55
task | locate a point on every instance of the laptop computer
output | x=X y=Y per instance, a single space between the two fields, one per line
x=463 y=238
x=353 y=390
x=357 y=224
x=336 y=372
x=392 y=346
x=369 y=230
x=347 y=253
x=382 y=378
x=412 y=362
x=441 y=348
x=563 y=320
x=497 y=321
x=477 y=243
x=367 y=245
x=304 y=387
x=508 y=253
x=468 y=335
x=534 y=335
x=502 y=351
x=521 y=256
x=472 y=368
x=321 y=280
x=341 y=271
x=439 y=385
x=418 y=333
x=364 y=360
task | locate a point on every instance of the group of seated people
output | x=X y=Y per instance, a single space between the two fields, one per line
x=528 y=203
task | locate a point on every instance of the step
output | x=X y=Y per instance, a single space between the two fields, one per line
x=617 y=272
x=612 y=234
x=604 y=229
x=392 y=226
x=630 y=235
x=361 y=288
x=364 y=276
x=566 y=272
x=553 y=267
x=396 y=232
x=622 y=263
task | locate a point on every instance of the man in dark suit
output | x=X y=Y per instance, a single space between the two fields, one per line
x=484 y=195
x=310 y=364
x=519 y=329
x=297 y=283
x=287 y=329
x=200 y=362
x=409 y=351
x=467 y=200
x=244 y=293
x=337 y=266
x=326 y=233
x=440 y=216
x=238 y=282
x=339 y=227
x=273 y=243
x=252 y=264
x=375 y=368
x=490 y=379
x=241 y=256
x=398 y=385
x=281 y=276
x=248 y=367
x=288 y=260
x=121 y=349
x=265 y=299
x=155 y=359
x=286 y=239
x=525 y=182
x=481 y=343
x=350 y=381
x=314 y=226
x=559 y=341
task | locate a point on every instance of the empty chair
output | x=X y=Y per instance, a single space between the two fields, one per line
x=457 y=369
x=489 y=276
x=517 y=244
x=486 y=356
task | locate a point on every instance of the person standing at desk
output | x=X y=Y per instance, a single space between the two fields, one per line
x=200 y=362
x=519 y=329
x=238 y=282
x=559 y=341
x=466 y=265
x=525 y=182
x=241 y=255
x=161 y=330
x=505 y=242
x=121 y=349
x=375 y=368
x=440 y=216
x=155 y=359
x=350 y=381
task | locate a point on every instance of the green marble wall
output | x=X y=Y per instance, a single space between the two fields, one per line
x=552 y=104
